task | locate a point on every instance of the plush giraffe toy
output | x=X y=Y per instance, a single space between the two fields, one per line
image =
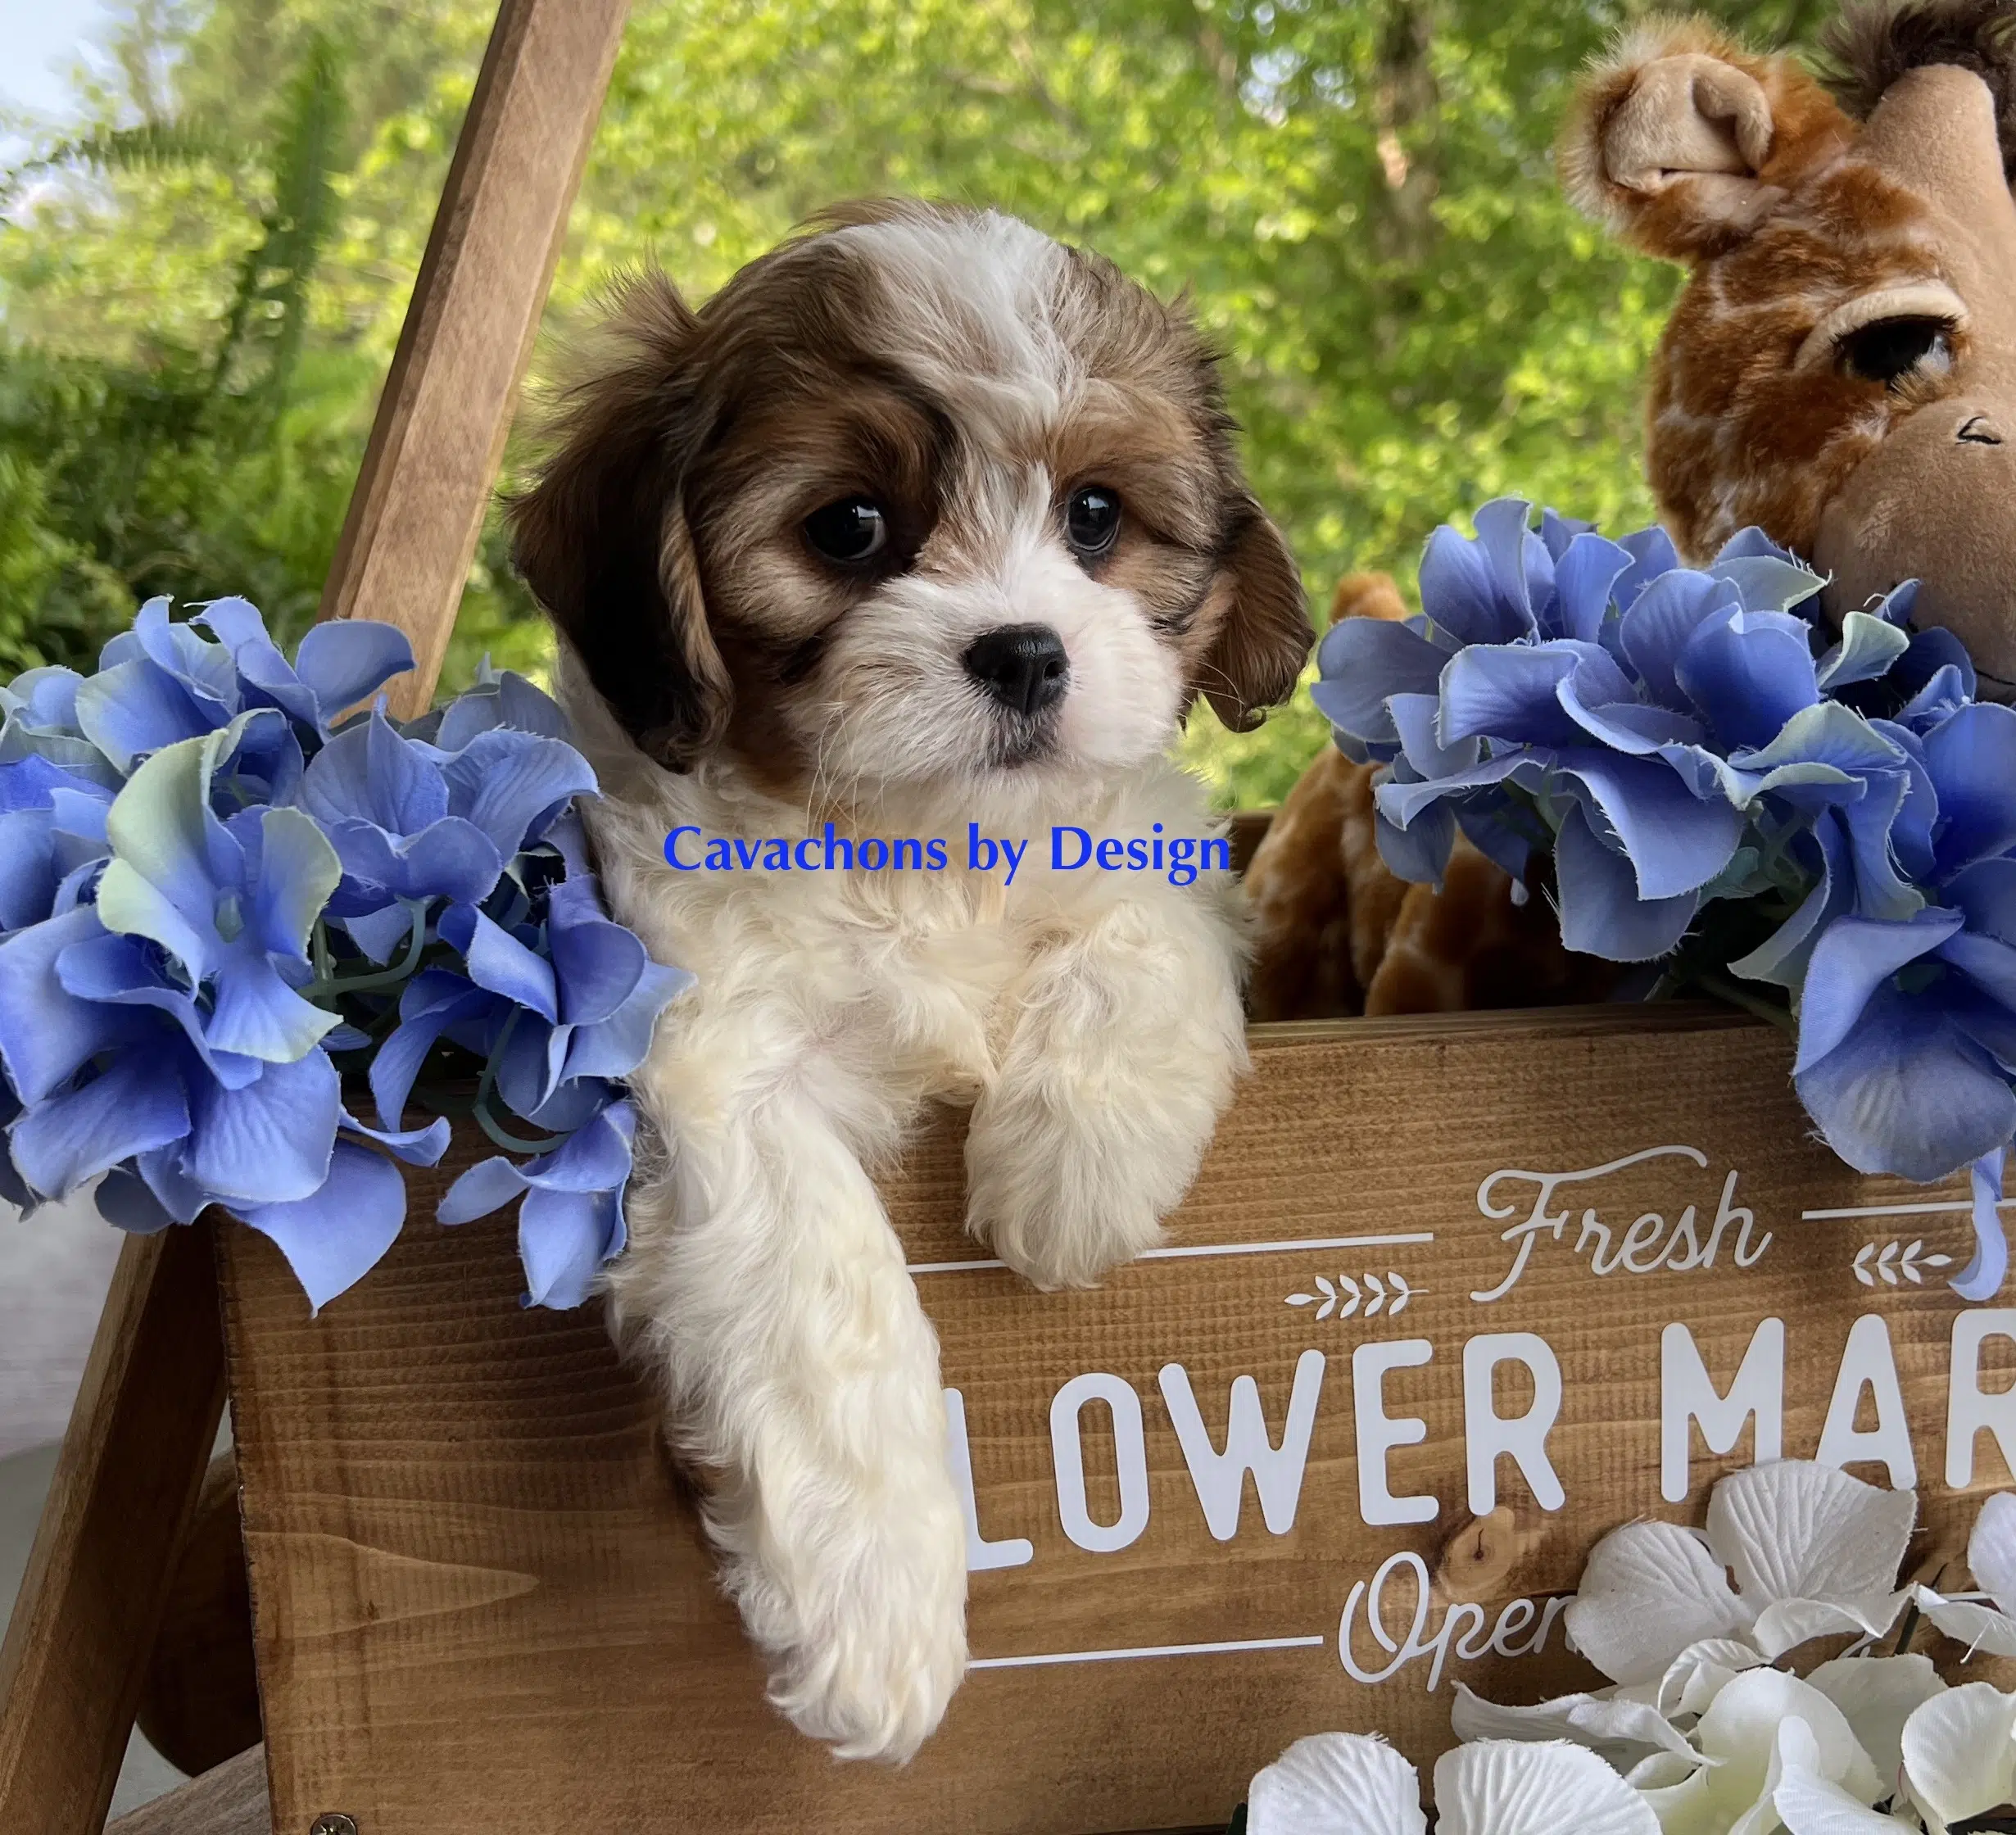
x=1840 y=371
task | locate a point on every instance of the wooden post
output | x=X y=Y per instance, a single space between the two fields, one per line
x=71 y=1667
x=125 y=1485
x=417 y=511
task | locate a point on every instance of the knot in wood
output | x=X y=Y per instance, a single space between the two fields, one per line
x=1478 y=1558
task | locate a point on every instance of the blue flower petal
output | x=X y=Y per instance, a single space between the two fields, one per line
x=135 y=1104
x=136 y=709
x=1601 y=912
x=1675 y=841
x=1985 y=892
x=1417 y=718
x=1748 y=673
x=1869 y=1094
x=564 y=1238
x=1418 y=852
x=257 y=1014
x=383 y=933
x=1652 y=553
x=498 y=961
x=1363 y=661
x=422 y=1146
x=1507 y=692
x=335 y=1235
x=368 y=773
x=1665 y=615
x=1849 y=963
x=1981 y=1277
x=1782 y=957
x=511 y=784
x=343 y=661
x=509 y=700
x=269 y=1142
x=1972 y=758
x=1868 y=647
x=46 y=1032
x=451 y=858
x=1991 y=966
x=119 y=972
x=1522 y=570
x=1585 y=575
x=429 y=1004
x=1401 y=799
x=126 y=1202
x=1766 y=578
x=484 y=1188
x=28 y=868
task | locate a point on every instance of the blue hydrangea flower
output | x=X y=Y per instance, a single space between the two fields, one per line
x=207 y=867
x=162 y=681
x=413 y=822
x=1678 y=738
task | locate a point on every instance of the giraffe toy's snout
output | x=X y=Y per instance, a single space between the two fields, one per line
x=1936 y=502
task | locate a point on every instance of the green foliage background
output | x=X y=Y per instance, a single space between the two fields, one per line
x=199 y=291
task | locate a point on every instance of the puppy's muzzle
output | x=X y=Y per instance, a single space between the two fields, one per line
x=1024 y=667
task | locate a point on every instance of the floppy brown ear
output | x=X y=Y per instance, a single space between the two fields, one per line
x=1262 y=643
x=602 y=537
x=1681 y=141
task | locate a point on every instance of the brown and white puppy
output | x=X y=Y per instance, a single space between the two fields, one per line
x=923 y=521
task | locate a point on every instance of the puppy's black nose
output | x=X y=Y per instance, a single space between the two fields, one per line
x=1023 y=666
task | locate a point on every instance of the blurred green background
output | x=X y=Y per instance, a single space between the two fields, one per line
x=202 y=279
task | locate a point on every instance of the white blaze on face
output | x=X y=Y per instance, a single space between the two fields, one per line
x=972 y=327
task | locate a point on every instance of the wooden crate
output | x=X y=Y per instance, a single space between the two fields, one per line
x=482 y=1603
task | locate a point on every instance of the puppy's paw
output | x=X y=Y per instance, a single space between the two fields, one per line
x=1065 y=1195
x=866 y=1640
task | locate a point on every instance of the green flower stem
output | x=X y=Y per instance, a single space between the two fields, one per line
x=1723 y=988
x=327 y=982
x=486 y=1120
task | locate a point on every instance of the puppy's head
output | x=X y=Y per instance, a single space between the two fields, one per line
x=920 y=499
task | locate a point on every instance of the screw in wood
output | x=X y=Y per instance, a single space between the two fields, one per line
x=333 y=1822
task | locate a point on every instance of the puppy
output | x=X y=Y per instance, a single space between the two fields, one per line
x=923 y=521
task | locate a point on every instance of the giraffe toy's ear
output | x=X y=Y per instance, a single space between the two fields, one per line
x=1682 y=141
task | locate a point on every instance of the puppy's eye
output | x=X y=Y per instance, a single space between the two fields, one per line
x=1091 y=520
x=849 y=531
x=1888 y=350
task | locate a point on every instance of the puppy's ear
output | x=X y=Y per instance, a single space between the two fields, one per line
x=1264 y=638
x=602 y=537
x=1682 y=141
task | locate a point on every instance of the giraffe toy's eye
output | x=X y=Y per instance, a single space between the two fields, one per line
x=1889 y=349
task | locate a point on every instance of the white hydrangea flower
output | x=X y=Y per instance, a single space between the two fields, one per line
x=1764 y=1730
x=1715 y=1740
x=1960 y=1755
x=1813 y=1551
x=1354 y=1784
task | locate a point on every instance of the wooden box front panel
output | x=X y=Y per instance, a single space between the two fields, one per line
x=482 y=1603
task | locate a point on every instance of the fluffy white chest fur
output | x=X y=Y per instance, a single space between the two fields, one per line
x=1092 y=1020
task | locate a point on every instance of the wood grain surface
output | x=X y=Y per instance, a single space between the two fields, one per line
x=418 y=509
x=483 y=1603
x=230 y=1800
x=126 y=1486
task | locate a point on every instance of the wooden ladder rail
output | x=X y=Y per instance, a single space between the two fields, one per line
x=133 y=1457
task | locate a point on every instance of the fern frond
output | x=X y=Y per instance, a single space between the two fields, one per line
x=153 y=146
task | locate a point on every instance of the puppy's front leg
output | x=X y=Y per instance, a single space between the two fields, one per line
x=803 y=1370
x=1128 y=1036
